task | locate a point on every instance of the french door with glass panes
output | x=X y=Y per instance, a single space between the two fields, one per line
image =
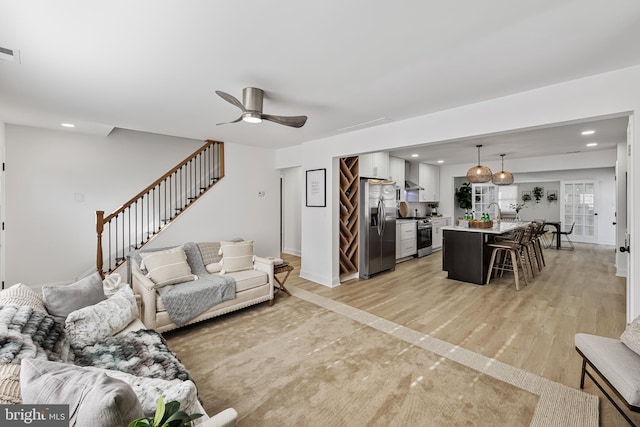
x=579 y=206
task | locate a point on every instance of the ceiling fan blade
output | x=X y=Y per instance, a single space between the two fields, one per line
x=293 y=121
x=226 y=123
x=230 y=99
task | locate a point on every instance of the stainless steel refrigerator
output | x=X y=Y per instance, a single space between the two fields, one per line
x=377 y=229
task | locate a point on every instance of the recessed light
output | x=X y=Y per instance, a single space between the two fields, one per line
x=440 y=161
x=415 y=155
x=67 y=125
x=587 y=132
x=592 y=144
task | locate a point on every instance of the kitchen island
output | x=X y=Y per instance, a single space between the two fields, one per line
x=465 y=254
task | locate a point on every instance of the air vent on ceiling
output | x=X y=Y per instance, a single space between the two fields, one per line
x=366 y=124
x=9 y=55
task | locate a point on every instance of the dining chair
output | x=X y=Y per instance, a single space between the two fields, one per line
x=566 y=235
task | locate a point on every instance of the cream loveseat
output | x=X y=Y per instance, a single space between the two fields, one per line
x=206 y=262
x=72 y=345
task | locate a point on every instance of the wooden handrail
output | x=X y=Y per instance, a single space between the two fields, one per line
x=130 y=229
x=166 y=175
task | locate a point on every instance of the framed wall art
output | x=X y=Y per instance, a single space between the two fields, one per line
x=316 y=194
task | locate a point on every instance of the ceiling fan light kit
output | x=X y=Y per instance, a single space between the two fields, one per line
x=251 y=107
x=479 y=174
x=503 y=177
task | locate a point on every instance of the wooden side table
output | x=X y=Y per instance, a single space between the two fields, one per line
x=282 y=268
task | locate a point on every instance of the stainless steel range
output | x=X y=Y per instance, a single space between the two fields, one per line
x=425 y=237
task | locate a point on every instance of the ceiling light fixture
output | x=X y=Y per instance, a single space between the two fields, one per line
x=592 y=144
x=479 y=174
x=587 y=132
x=503 y=177
x=440 y=161
x=67 y=125
x=251 y=117
x=414 y=155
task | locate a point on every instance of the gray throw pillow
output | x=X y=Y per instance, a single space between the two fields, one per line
x=60 y=300
x=94 y=398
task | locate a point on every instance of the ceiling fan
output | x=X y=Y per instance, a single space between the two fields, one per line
x=251 y=107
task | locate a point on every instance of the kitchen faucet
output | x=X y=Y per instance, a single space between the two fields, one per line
x=499 y=218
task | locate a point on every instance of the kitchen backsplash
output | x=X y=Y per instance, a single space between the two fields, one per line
x=422 y=207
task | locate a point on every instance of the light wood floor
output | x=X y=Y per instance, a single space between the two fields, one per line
x=532 y=329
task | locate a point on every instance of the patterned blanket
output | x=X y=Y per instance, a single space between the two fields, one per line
x=26 y=333
x=143 y=353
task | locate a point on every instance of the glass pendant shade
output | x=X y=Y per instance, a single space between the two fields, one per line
x=503 y=177
x=479 y=174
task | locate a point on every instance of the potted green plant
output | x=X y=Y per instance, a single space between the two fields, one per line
x=526 y=197
x=168 y=415
x=463 y=195
x=538 y=192
x=552 y=196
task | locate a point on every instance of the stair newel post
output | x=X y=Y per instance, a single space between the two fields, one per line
x=99 y=230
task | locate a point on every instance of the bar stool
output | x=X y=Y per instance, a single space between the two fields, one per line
x=507 y=256
x=538 y=232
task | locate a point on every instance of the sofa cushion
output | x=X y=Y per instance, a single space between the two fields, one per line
x=96 y=322
x=60 y=300
x=94 y=398
x=167 y=267
x=22 y=295
x=236 y=256
x=248 y=279
x=10 y=384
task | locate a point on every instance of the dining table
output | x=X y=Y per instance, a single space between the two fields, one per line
x=557 y=225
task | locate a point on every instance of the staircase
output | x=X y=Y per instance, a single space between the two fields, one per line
x=136 y=222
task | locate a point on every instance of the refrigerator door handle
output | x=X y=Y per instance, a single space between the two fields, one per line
x=381 y=217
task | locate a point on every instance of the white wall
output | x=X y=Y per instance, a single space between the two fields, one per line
x=613 y=93
x=292 y=192
x=56 y=180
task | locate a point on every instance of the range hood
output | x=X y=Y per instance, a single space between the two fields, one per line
x=410 y=185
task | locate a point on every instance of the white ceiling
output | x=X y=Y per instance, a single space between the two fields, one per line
x=154 y=65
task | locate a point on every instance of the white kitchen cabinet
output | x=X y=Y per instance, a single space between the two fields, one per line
x=437 y=224
x=406 y=234
x=427 y=177
x=396 y=173
x=374 y=165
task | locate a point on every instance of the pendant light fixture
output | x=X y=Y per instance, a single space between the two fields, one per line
x=478 y=174
x=503 y=177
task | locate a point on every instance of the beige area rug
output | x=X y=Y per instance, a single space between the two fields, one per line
x=309 y=361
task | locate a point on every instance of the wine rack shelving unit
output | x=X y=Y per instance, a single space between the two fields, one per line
x=349 y=186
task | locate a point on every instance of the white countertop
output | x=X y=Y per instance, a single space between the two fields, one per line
x=503 y=227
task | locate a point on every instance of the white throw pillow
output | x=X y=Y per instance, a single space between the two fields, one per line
x=112 y=283
x=236 y=256
x=94 y=398
x=94 y=323
x=167 y=267
x=631 y=335
x=22 y=295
